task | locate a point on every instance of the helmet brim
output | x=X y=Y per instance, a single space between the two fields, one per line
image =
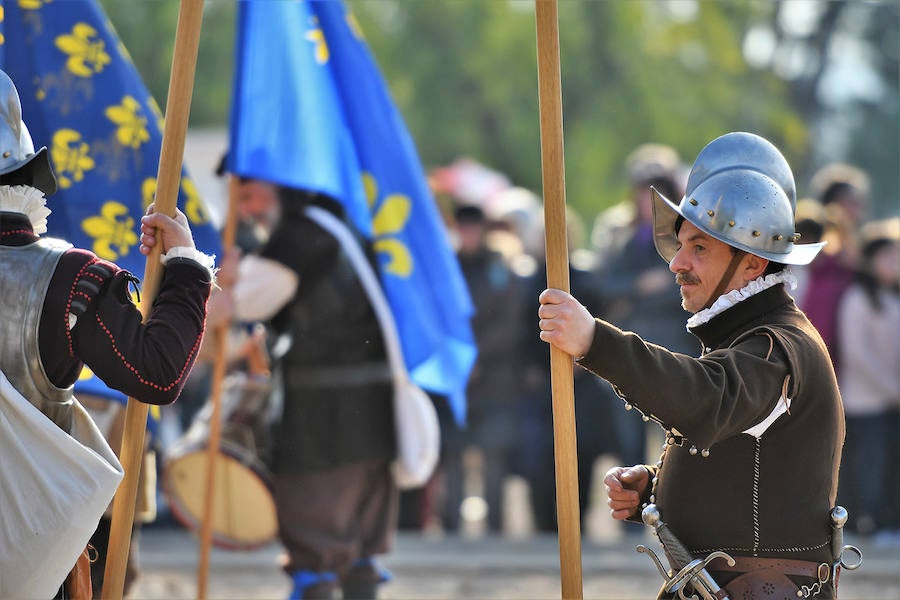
x=35 y=171
x=666 y=214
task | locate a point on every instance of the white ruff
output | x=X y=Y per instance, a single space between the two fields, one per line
x=28 y=201
x=733 y=297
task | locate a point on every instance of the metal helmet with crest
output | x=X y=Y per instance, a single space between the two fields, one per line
x=741 y=192
x=19 y=163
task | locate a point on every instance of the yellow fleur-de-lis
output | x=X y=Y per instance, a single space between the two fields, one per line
x=131 y=124
x=71 y=158
x=32 y=4
x=87 y=53
x=157 y=114
x=193 y=206
x=85 y=374
x=390 y=218
x=112 y=230
x=354 y=26
x=2 y=18
x=317 y=37
x=148 y=191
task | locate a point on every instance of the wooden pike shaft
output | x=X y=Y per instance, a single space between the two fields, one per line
x=215 y=427
x=561 y=365
x=178 y=105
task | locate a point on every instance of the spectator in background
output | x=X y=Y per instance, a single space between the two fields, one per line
x=868 y=327
x=637 y=290
x=842 y=190
x=535 y=454
x=811 y=227
x=491 y=426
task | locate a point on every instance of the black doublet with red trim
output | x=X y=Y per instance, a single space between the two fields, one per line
x=148 y=361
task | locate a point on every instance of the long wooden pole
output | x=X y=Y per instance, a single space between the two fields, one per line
x=561 y=365
x=178 y=104
x=215 y=426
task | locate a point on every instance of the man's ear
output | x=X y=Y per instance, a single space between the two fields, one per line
x=754 y=267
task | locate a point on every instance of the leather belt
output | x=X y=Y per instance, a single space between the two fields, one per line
x=747 y=564
x=337 y=376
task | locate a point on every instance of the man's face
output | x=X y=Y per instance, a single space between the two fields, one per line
x=258 y=203
x=698 y=265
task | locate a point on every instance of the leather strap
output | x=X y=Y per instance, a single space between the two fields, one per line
x=746 y=564
x=726 y=276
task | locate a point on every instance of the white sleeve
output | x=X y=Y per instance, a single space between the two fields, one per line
x=262 y=288
x=206 y=261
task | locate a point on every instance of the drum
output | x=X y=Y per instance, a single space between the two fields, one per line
x=244 y=514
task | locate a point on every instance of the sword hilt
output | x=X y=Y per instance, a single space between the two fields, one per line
x=672 y=545
x=689 y=569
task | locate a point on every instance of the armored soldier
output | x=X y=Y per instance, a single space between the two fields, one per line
x=63 y=307
x=754 y=425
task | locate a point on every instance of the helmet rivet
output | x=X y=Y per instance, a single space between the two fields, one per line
x=693 y=202
x=6 y=154
x=731 y=223
x=756 y=234
x=711 y=213
x=778 y=237
x=796 y=237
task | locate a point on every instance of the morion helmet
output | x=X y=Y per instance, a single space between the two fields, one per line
x=741 y=192
x=19 y=163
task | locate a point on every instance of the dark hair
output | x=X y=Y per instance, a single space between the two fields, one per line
x=665 y=185
x=810 y=230
x=773 y=267
x=469 y=213
x=864 y=276
x=835 y=191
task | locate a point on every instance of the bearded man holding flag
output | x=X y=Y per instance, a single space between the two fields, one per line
x=323 y=155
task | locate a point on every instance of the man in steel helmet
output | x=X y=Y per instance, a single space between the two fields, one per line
x=63 y=307
x=754 y=425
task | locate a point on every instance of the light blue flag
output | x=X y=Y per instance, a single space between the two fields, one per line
x=83 y=98
x=310 y=110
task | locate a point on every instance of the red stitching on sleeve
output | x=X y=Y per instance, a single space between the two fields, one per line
x=69 y=304
x=136 y=373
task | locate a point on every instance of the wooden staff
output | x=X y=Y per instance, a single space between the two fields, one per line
x=178 y=104
x=561 y=365
x=215 y=426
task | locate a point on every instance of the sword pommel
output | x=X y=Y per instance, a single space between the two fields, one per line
x=838 y=516
x=650 y=516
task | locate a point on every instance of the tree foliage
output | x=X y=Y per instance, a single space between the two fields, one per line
x=463 y=74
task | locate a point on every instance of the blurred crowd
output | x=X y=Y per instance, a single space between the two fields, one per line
x=851 y=292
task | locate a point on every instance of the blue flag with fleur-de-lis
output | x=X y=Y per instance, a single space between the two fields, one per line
x=83 y=98
x=310 y=110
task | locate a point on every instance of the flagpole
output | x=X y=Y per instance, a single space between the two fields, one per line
x=561 y=375
x=178 y=104
x=215 y=426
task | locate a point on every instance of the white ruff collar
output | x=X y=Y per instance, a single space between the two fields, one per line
x=28 y=201
x=733 y=297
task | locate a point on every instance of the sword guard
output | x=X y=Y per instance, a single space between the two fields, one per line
x=690 y=571
x=662 y=571
x=688 y=574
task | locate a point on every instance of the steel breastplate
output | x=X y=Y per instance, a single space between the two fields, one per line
x=25 y=273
